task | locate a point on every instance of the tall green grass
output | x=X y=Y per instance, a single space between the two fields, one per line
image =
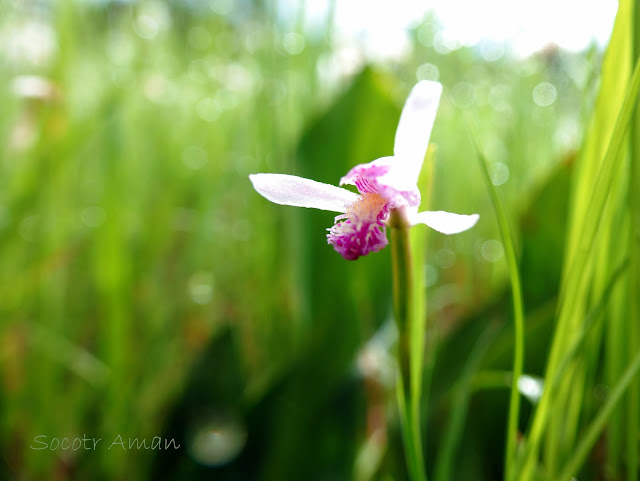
x=600 y=204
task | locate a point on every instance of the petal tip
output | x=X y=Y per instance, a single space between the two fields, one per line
x=446 y=222
x=429 y=86
x=255 y=178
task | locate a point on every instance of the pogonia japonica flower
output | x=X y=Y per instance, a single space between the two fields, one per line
x=384 y=184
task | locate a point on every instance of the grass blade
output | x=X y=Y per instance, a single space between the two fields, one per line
x=597 y=425
x=518 y=309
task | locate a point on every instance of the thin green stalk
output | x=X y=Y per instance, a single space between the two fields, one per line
x=404 y=311
x=407 y=431
x=518 y=311
x=462 y=392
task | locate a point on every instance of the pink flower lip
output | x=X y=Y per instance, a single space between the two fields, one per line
x=362 y=228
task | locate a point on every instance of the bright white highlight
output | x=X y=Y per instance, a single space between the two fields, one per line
x=531 y=387
x=445 y=222
x=380 y=30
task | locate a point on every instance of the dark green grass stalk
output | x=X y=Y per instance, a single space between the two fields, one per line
x=462 y=395
x=518 y=310
x=597 y=425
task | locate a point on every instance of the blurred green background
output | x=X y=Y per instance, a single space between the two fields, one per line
x=146 y=290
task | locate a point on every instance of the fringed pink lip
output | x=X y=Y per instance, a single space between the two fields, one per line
x=362 y=228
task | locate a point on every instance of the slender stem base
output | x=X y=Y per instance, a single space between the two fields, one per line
x=405 y=313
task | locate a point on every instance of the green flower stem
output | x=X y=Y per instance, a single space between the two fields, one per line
x=405 y=312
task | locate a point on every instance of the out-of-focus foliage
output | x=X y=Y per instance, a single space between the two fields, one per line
x=147 y=290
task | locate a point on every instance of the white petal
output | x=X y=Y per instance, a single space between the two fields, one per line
x=445 y=222
x=300 y=192
x=416 y=122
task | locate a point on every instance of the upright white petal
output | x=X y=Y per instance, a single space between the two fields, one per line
x=445 y=222
x=414 y=128
x=300 y=192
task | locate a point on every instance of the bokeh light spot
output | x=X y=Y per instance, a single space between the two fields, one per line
x=427 y=71
x=158 y=88
x=492 y=250
x=152 y=18
x=218 y=441
x=430 y=275
x=439 y=44
x=531 y=387
x=201 y=287
x=545 y=94
x=32 y=42
x=147 y=27
x=499 y=173
x=293 y=43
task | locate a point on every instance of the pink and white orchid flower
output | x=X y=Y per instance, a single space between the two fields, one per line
x=384 y=184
